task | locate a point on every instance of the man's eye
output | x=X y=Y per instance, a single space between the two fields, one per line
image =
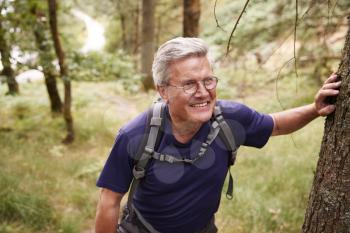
x=189 y=84
x=208 y=80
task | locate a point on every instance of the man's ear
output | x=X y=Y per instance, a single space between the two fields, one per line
x=162 y=90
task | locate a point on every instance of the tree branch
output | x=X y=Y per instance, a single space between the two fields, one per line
x=216 y=19
x=234 y=28
x=295 y=38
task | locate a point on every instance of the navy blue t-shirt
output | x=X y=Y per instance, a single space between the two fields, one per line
x=181 y=198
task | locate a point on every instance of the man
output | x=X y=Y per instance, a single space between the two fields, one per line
x=180 y=198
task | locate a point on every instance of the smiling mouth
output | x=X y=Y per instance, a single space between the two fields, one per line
x=200 y=105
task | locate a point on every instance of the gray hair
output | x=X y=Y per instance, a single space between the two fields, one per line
x=176 y=49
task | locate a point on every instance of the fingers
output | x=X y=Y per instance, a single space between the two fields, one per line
x=333 y=85
x=326 y=110
x=328 y=92
x=331 y=78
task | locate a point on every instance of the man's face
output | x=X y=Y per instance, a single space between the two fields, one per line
x=195 y=108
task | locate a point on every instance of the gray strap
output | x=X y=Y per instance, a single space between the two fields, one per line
x=151 y=141
x=229 y=140
x=139 y=168
x=214 y=131
x=231 y=143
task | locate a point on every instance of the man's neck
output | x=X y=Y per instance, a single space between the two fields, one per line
x=184 y=131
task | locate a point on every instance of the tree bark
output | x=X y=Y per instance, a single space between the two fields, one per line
x=147 y=43
x=191 y=15
x=63 y=72
x=46 y=58
x=328 y=209
x=7 y=71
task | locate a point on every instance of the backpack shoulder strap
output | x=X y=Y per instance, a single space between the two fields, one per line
x=230 y=143
x=227 y=134
x=147 y=146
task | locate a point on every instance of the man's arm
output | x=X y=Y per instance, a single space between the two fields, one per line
x=108 y=211
x=293 y=119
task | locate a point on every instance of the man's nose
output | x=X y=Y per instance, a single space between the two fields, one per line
x=201 y=90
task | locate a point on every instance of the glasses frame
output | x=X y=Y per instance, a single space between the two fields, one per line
x=197 y=86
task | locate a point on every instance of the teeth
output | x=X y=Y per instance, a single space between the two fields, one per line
x=200 y=105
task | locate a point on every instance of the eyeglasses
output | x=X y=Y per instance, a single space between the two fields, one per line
x=191 y=86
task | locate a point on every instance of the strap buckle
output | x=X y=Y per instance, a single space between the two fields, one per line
x=138 y=172
x=149 y=150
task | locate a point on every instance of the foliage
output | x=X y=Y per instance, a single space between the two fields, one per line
x=95 y=66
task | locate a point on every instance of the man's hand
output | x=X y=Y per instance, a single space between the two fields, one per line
x=329 y=88
x=293 y=119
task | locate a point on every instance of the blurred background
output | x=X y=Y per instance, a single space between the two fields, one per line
x=74 y=71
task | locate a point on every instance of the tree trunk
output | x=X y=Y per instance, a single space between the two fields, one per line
x=7 y=71
x=46 y=58
x=191 y=15
x=129 y=22
x=147 y=43
x=63 y=72
x=329 y=202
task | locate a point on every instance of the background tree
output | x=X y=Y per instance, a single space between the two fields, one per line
x=329 y=202
x=5 y=50
x=191 y=15
x=129 y=16
x=63 y=71
x=46 y=56
x=147 y=43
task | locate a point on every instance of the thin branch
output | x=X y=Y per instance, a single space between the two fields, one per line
x=295 y=38
x=277 y=78
x=278 y=98
x=216 y=19
x=312 y=3
x=333 y=7
x=234 y=28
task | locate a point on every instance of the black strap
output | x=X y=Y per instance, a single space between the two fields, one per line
x=146 y=224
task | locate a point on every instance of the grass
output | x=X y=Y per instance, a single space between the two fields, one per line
x=46 y=186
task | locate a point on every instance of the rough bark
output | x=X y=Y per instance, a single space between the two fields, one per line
x=63 y=72
x=191 y=15
x=46 y=58
x=147 y=44
x=329 y=202
x=7 y=71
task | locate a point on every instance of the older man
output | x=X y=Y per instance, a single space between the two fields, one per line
x=184 y=197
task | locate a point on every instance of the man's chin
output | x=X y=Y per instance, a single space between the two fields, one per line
x=202 y=118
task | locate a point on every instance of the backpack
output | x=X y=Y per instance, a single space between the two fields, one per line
x=153 y=135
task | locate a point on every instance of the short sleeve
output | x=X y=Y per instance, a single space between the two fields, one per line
x=250 y=127
x=117 y=172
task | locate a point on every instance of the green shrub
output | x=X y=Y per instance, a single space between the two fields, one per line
x=95 y=66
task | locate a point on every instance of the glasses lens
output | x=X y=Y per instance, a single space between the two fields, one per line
x=190 y=88
x=210 y=83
